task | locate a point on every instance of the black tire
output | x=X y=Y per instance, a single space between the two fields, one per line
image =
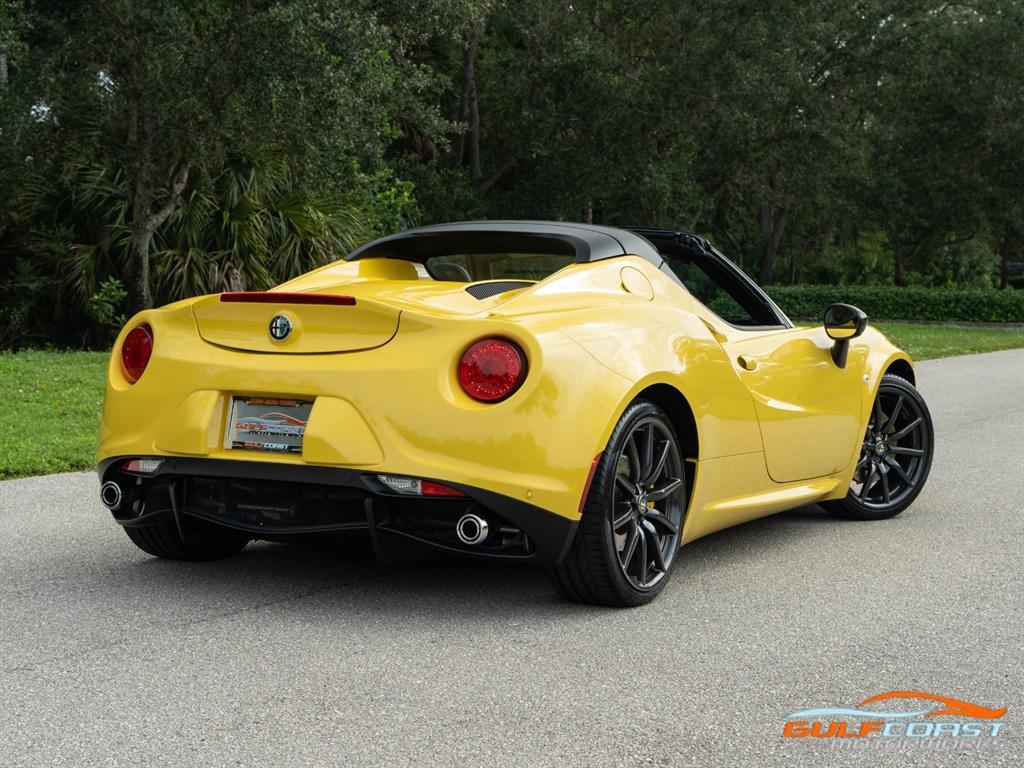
x=627 y=542
x=163 y=540
x=895 y=458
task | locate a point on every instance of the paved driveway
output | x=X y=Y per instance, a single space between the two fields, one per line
x=288 y=656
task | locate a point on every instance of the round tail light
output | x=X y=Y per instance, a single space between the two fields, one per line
x=136 y=351
x=491 y=370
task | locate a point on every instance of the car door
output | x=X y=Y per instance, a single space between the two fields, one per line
x=809 y=410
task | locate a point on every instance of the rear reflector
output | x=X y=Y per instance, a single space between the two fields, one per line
x=255 y=297
x=430 y=488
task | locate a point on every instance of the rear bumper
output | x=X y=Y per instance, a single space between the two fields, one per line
x=279 y=501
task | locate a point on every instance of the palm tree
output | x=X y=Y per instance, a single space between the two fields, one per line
x=247 y=227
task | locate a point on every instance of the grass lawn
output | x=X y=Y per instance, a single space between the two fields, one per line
x=925 y=342
x=51 y=400
x=49 y=411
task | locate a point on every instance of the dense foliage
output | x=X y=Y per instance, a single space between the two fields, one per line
x=887 y=302
x=153 y=149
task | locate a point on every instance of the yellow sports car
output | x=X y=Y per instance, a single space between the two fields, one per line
x=585 y=397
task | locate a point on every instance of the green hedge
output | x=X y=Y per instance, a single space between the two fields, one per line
x=889 y=302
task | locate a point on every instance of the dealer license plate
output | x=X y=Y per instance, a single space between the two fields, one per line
x=267 y=424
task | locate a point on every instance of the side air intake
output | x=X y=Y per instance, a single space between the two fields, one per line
x=486 y=290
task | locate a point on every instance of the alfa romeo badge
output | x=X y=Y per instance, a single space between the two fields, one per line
x=280 y=327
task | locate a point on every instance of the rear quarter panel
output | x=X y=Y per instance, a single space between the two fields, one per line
x=651 y=339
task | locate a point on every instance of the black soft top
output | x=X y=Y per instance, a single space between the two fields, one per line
x=586 y=242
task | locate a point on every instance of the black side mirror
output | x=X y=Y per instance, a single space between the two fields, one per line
x=842 y=323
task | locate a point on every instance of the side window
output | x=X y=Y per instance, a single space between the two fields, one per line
x=709 y=293
x=721 y=291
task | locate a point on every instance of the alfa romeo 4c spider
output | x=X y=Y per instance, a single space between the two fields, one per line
x=583 y=397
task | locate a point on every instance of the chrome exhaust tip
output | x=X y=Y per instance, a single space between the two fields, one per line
x=110 y=495
x=472 y=529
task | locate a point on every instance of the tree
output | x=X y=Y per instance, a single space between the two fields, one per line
x=248 y=228
x=943 y=122
x=860 y=141
x=725 y=117
x=163 y=91
x=14 y=111
x=995 y=51
x=558 y=123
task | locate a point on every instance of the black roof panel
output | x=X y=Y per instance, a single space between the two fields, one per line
x=586 y=242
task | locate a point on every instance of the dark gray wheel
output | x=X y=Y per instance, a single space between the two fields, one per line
x=895 y=458
x=628 y=538
x=163 y=540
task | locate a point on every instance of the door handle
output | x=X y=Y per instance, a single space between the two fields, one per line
x=746 y=362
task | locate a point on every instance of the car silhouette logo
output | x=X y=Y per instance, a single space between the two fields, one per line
x=280 y=327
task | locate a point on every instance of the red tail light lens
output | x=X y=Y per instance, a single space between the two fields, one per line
x=491 y=370
x=430 y=488
x=136 y=351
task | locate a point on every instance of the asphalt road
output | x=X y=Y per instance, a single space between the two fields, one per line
x=288 y=656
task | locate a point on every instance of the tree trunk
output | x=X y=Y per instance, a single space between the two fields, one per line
x=467 y=92
x=773 y=230
x=468 y=102
x=1009 y=246
x=140 y=296
x=897 y=267
x=144 y=223
x=475 y=172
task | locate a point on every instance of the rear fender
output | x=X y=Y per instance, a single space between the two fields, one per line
x=680 y=353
